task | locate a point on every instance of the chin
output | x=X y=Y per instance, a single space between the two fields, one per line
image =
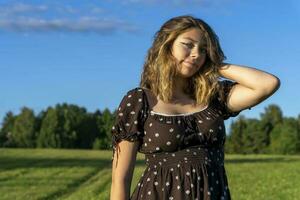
x=186 y=75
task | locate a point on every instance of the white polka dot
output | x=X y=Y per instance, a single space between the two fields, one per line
x=140 y=99
x=155 y=172
x=120 y=114
x=171 y=130
x=135 y=122
x=155 y=183
x=149 y=139
x=188 y=173
x=149 y=192
x=178 y=187
x=148 y=179
x=132 y=112
x=157 y=148
x=128 y=104
x=167 y=183
x=145 y=144
x=168 y=143
x=187 y=191
x=150 y=124
x=177 y=136
x=176 y=177
x=173 y=154
x=200 y=121
x=156 y=134
x=171 y=198
x=210 y=130
x=192 y=185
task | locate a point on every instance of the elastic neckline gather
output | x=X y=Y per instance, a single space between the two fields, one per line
x=180 y=114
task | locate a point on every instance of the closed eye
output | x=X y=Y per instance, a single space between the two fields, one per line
x=187 y=44
x=190 y=45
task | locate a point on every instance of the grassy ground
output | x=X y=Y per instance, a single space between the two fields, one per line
x=86 y=175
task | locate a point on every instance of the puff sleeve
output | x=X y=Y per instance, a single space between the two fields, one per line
x=130 y=117
x=225 y=88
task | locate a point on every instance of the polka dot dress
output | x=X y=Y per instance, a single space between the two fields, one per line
x=184 y=153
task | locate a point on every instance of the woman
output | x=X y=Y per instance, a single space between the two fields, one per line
x=176 y=116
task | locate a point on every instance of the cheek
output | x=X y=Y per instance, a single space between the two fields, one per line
x=202 y=61
x=180 y=54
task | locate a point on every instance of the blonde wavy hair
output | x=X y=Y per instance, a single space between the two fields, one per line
x=159 y=68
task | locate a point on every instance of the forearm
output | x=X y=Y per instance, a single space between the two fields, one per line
x=249 y=77
x=120 y=190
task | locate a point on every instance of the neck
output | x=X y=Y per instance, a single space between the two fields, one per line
x=179 y=85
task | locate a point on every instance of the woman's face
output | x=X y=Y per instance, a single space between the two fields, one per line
x=189 y=51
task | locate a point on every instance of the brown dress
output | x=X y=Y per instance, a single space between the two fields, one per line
x=184 y=153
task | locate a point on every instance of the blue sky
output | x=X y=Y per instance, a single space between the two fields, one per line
x=91 y=52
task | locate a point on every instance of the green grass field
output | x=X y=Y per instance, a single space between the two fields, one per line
x=86 y=174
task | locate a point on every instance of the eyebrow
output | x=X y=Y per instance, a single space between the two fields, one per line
x=190 y=39
x=202 y=42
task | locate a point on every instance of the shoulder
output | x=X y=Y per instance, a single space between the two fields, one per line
x=133 y=96
x=225 y=86
x=223 y=90
x=136 y=92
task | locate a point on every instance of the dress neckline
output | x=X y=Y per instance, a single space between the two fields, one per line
x=179 y=114
x=175 y=115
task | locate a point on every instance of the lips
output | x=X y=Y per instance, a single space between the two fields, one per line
x=189 y=63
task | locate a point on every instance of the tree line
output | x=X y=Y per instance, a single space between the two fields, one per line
x=71 y=126
x=62 y=126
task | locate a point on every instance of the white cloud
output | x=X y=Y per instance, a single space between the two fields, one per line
x=203 y=3
x=21 y=8
x=82 y=25
x=26 y=18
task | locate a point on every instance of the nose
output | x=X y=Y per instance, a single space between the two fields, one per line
x=195 y=53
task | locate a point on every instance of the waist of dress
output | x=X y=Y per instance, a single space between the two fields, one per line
x=193 y=155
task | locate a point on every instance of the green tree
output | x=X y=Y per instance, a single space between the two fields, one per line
x=235 y=139
x=6 y=139
x=269 y=119
x=105 y=122
x=49 y=135
x=24 y=129
x=285 y=137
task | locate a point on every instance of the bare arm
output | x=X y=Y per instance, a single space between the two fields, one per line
x=122 y=170
x=253 y=86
